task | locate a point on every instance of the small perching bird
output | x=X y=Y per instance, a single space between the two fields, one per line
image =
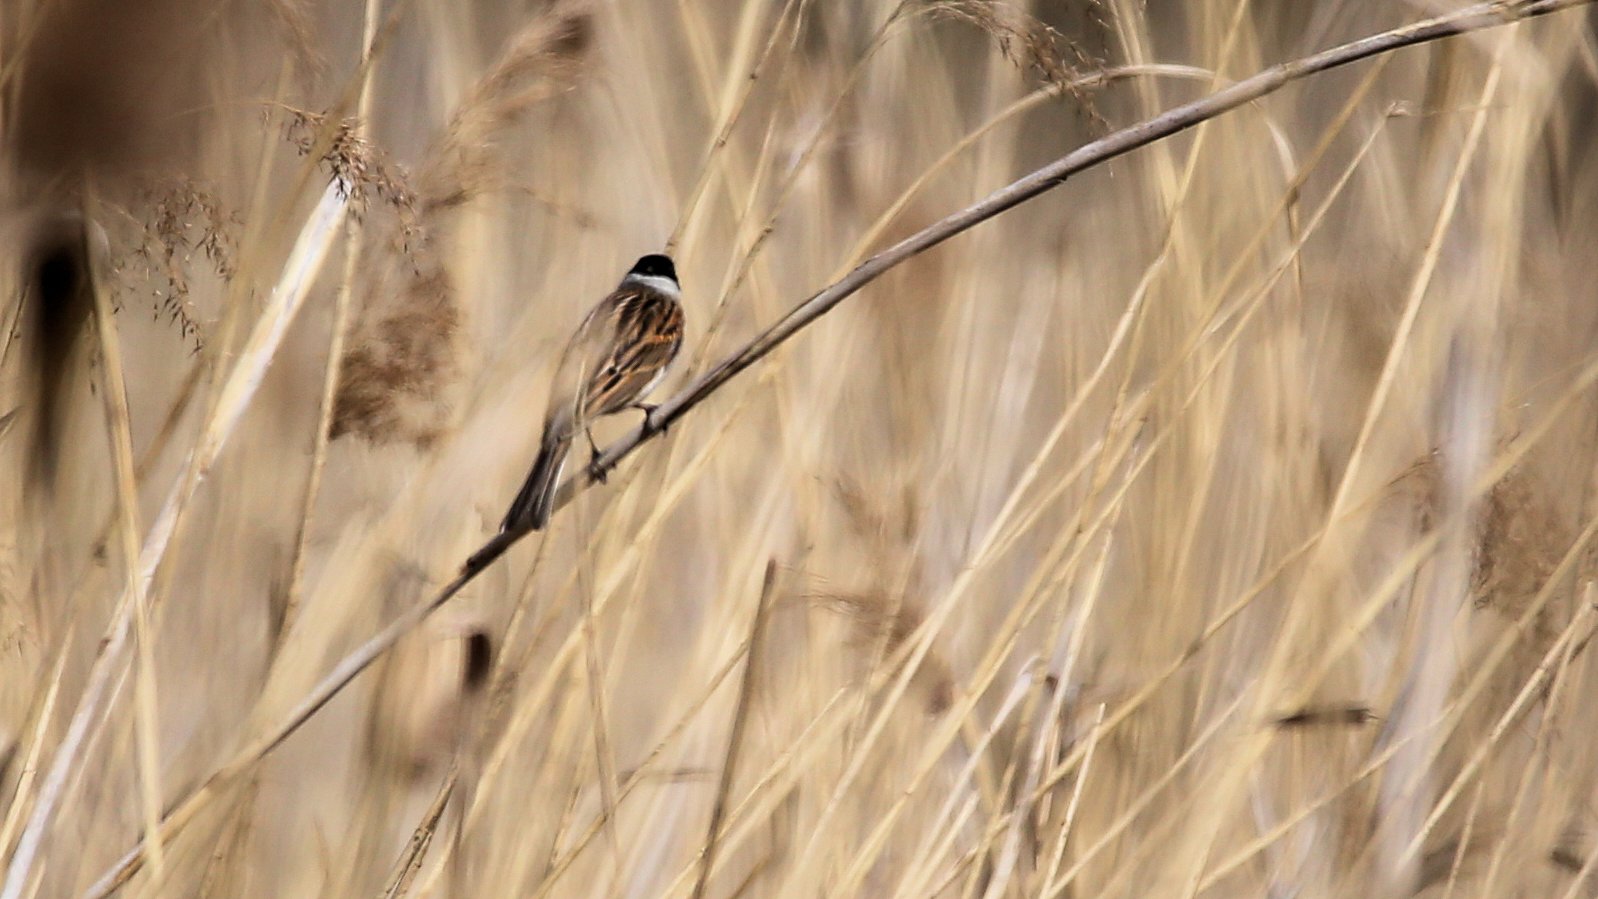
x=618 y=354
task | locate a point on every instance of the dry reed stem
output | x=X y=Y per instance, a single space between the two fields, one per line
x=40 y=728
x=1484 y=671
x=961 y=799
x=410 y=862
x=1444 y=724
x=335 y=349
x=1492 y=476
x=541 y=692
x=1073 y=760
x=224 y=858
x=1141 y=801
x=500 y=752
x=760 y=791
x=744 y=260
x=912 y=656
x=1464 y=841
x=604 y=755
x=1553 y=692
x=1034 y=592
x=994 y=544
x=1582 y=876
x=741 y=79
x=1277 y=668
x=1031 y=101
x=1489 y=664
x=300 y=270
x=735 y=739
x=1466 y=421
x=114 y=393
x=1062 y=556
x=1062 y=840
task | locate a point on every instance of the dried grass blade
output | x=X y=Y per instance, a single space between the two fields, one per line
x=288 y=296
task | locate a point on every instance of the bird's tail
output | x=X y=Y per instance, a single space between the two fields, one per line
x=532 y=505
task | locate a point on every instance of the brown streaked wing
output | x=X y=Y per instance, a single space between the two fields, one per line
x=648 y=332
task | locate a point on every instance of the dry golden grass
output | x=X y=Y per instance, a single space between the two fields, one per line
x=1220 y=523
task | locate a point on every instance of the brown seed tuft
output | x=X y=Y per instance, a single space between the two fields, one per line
x=1028 y=43
x=539 y=62
x=1520 y=544
x=178 y=223
x=399 y=365
x=1519 y=535
x=403 y=357
x=362 y=166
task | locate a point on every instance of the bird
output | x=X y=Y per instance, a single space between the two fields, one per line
x=619 y=353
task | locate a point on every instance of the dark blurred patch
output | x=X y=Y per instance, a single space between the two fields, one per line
x=8 y=752
x=478 y=662
x=105 y=89
x=1568 y=857
x=1567 y=136
x=57 y=301
x=401 y=362
x=105 y=86
x=574 y=35
x=1334 y=715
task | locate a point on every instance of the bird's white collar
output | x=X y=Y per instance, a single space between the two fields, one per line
x=665 y=285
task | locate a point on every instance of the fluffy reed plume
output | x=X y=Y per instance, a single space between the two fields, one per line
x=887 y=611
x=1519 y=539
x=400 y=376
x=538 y=62
x=397 y=379
x=1522 y=539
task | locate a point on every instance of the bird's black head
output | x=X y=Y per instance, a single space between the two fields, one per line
x=655 y=264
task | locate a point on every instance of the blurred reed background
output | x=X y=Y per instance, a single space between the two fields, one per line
x=1217 y=524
